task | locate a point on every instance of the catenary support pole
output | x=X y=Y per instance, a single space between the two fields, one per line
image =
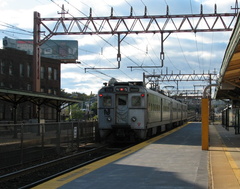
x=205 y=118
x=205 y=123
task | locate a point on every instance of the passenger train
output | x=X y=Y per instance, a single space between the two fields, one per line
x=128 y=111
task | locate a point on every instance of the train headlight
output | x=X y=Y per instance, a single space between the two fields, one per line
x=109 y=119
x=134 y=119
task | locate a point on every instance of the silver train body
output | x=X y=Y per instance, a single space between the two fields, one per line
x=129 y=111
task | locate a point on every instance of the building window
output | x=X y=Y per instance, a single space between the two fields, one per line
x=49 y=73
x=21 y=70
x=29 y=88
x=2 y=66
x=49 y=91
x=55 y=74
x=10 y=68
x=42 y=72
x=28 y=70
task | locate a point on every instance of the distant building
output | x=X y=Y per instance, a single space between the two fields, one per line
x=16 y=73
x=64 y=50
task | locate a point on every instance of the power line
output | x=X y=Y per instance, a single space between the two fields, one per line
x=106 y=41
x=98 y=36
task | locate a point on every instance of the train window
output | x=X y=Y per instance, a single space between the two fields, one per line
x=107 y=101
x=122 y=100
x=136 y=101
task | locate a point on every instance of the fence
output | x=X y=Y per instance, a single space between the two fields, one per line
x=27 y=142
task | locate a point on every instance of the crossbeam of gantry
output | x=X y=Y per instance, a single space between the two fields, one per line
x=136 y=24
x=123 y=25
x=181 y=77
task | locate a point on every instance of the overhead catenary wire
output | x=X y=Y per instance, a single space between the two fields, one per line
x=195 y=34
x=98 y=36
x=112 y=45
x=181 y=46
x=71 y=14
x=141 y=50
x=23 y=32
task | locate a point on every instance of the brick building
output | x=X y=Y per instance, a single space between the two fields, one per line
x=16 y=74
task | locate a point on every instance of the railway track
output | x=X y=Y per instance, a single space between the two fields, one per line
x=37 y=174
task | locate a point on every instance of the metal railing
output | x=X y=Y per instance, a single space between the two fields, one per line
x=20 y=143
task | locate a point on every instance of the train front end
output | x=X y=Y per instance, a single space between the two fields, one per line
x=122 y=111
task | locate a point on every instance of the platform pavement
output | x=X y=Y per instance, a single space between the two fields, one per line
x=173 y=160
x=224 y=158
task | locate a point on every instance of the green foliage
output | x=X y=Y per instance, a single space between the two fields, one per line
x=80 y=111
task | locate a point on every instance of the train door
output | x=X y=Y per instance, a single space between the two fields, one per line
x=121 y=109
x=161 y=110
x=171 y=111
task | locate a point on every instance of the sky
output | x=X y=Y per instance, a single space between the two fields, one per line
x=185 y=53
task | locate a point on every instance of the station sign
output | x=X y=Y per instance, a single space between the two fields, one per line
x=64 y=50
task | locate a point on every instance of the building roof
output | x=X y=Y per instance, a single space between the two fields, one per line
x=229 y=80
x=18 y=96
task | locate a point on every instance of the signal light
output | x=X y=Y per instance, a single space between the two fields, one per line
x=100 y=95
x=142 y=95
x=121 y=89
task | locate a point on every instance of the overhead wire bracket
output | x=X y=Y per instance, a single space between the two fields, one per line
x=119 y=57
x=162 y=56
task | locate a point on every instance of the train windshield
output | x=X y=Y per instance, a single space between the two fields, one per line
x=136 y=101
x=122 y=100
x=121 y=109
x=107 y=101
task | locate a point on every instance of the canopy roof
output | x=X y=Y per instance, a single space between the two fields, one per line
x=19 y=96
x=229 y=80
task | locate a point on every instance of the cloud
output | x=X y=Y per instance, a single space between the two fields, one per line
x=83 y=83
x=184 y=52
x=3 y=4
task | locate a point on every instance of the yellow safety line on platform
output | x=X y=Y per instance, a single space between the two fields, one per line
x=232 y=162
x=68 y=177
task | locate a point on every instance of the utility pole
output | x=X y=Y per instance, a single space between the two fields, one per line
x=36 y=53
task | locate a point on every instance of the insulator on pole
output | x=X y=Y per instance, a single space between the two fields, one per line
x=167 y=13
x=119 y=57
x=90 y=13
x=201 y=9
x=215 y=8
x=119 y=52
x=162 y=56
x=145 y=11
x=111 y=11
x=131 y=11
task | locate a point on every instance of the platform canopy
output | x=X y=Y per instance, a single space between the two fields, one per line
x=229 y=79
x=16 y=97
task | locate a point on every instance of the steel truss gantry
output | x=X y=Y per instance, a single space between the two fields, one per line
x=124 y=25
x=136 y=24
x=155 y=79
x=181 y=77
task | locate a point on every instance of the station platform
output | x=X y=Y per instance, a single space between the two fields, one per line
x=172 y=160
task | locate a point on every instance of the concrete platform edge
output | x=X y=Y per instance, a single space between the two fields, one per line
x=224 y=172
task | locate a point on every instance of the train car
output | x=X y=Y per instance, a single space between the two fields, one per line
x=128 y=111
